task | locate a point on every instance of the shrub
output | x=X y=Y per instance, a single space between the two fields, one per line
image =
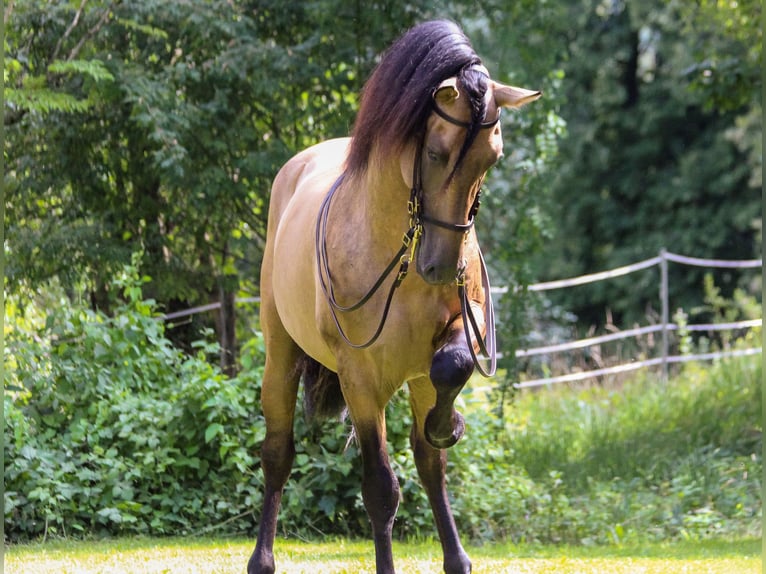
x=652 y=459
x=113 y=430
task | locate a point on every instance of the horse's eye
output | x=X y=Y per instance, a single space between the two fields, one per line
x=434 y=156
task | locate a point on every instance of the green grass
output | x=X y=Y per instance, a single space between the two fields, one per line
x=224 y=556
x=642 y=428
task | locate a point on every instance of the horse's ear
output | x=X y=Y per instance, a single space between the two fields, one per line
x=512 y=97
x=447 y=91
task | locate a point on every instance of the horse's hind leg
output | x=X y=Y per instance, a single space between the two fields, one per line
x=431 y=464
x=278 y=397
x=451 y=367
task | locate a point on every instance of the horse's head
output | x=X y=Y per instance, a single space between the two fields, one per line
x=461 y=142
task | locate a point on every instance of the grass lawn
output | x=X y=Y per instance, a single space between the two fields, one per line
x=229 y=556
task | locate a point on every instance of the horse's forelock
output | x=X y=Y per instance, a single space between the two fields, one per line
x=396 y=100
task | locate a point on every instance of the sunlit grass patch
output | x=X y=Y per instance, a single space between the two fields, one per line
x=229 y=556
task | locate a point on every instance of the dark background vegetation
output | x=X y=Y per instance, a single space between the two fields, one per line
x=141 y=138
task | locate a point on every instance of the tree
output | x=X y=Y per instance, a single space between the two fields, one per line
x=158 y=127
x=653 y=158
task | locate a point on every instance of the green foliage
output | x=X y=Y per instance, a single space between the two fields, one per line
x=602 y=433
x=160 y=126
x=675 y=459
x=663 y=115
x=112 y=430
x=728 y=50
x=43 y=100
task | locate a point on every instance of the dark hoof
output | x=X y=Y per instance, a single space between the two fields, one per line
x=439 y=437
x=261 y=564
x=457 y=564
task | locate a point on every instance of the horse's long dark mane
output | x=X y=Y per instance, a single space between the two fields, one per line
x=397 y=98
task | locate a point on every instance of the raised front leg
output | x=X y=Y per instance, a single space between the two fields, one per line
x=451 y=367
x=431 y=464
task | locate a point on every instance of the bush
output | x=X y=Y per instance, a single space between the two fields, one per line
x=110 y=429
x=649 y=459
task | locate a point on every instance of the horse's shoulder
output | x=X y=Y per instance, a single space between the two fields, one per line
x=320 y=156
x=318 y=162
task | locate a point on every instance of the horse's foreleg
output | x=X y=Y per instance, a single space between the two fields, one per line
x=278 y=396
x=431 y=464
x=451 y=367
x=380 y=488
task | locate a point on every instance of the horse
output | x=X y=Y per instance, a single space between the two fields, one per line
x=340 y=310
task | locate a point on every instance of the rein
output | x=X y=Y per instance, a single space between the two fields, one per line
x=405 y=256
x=409 y=241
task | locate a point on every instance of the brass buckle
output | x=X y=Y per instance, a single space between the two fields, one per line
x=460 y=277
x=404 y=266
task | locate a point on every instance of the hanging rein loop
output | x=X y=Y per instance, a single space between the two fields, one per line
x=404 y=256
x=409 y=242
x=487 y=348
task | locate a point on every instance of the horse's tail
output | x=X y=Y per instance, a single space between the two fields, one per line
x=322 y=397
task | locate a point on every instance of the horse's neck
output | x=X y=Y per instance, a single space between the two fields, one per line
x=378 y=201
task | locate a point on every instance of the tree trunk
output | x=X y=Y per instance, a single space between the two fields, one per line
x=227 y=330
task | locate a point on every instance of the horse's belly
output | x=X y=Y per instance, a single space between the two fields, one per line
x=294 y=268
x=295 y=299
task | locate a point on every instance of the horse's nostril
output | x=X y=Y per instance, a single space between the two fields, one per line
x=438 y=275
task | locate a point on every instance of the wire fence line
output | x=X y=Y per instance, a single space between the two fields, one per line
x=205 y=308
x=664 y=328
x=640 y=265
x=634 y=366
x=636 y=332
x=590 y=278
x=718 y=263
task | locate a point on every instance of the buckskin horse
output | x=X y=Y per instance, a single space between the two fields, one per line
x=339 y=310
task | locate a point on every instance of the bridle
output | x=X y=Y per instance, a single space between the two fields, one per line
x=406 y=254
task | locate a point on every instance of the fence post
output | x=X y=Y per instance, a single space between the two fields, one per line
x=665 y=311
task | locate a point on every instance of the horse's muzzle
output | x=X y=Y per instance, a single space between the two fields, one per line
x=437 y=274
x=438 y=256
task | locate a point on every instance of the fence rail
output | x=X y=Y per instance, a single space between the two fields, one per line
x=636 y=332
x=634 y=366
x=664 y=328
